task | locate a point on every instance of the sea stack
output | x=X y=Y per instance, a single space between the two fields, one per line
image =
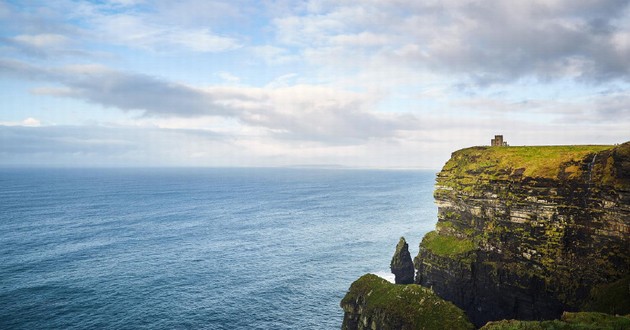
x=402 y=264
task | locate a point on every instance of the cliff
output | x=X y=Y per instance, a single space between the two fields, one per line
x=374 y=303
x=529 y=232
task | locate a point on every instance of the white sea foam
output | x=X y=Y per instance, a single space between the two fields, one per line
x=385 y=275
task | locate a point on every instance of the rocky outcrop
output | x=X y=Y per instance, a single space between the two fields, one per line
x=529 y=232
x=374 y=303
x=401 y=264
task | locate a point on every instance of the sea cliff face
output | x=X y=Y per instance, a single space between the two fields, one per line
x=529 y=232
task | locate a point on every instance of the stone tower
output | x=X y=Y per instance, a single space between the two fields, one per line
x=498 y=141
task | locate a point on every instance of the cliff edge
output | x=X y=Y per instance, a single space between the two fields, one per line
x=529 y=232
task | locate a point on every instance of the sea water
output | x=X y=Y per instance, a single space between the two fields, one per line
x=198 y=248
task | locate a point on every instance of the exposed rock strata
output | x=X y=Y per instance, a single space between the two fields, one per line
x=527 y=232
x=401 y=264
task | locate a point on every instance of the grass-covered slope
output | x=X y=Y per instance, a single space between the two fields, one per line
x=374 y=303
x=445 y=245
x=530 y=161
x=569 y=321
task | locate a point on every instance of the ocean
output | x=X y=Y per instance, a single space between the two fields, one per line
x=198 y=248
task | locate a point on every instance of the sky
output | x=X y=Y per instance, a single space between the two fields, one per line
x=367 y=84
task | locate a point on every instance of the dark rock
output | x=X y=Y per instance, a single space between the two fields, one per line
x=402 y=265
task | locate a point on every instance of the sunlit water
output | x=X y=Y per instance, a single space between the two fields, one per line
x=200 y=248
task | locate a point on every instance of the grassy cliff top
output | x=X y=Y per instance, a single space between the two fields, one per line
x=529 y=161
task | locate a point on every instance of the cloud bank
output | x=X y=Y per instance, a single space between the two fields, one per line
x=300 y=112
x=358 y=83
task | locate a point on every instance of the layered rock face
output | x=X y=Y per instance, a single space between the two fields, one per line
x=529 y=232
x=401 y=264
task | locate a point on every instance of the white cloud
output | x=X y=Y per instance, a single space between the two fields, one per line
x=273 y=55
x=323 y=114
x=282 y=81
x=199 y=40
x=42 y=40
x=363 y=39
x=30 y=121
x=229 y=78
x=303 y=112
x=488 y=42
x=136 y=32
x=104 y=146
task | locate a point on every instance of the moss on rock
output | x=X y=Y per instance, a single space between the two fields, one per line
x=446 y=245
x=494 y=163
x=374 y=303
x=569 y=321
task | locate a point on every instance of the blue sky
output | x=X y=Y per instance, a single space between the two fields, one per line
x=376 y=84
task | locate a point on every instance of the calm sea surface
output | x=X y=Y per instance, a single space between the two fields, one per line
x=198 y=248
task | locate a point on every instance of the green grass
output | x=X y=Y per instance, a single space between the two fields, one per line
x=530 y=161
x=569 y=321
x=397 y=306
x=446 y=246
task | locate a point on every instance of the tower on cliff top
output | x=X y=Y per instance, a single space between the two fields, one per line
x=498 y=141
